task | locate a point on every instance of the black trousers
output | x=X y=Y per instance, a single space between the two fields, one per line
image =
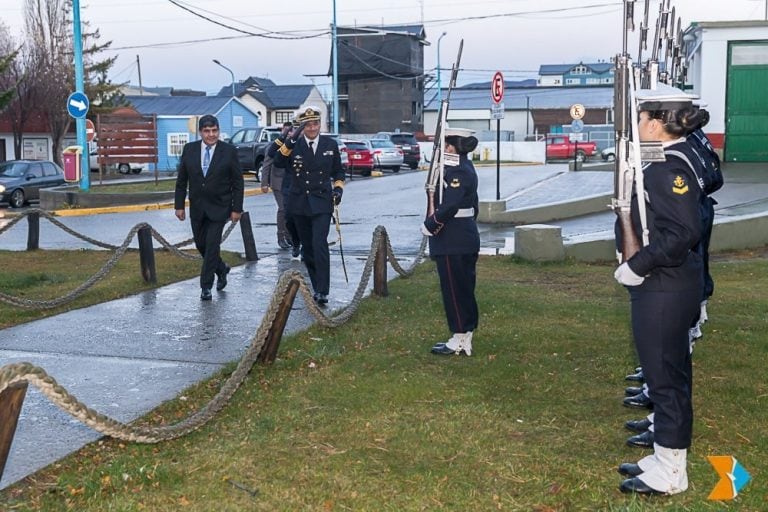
x=313 y=234
x=207 y=235
x=458 y=275
x=660 y=322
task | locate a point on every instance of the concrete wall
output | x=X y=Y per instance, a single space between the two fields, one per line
x=534 y=152
x=516 y=121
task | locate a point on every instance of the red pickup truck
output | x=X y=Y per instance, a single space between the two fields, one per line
x=560 y=147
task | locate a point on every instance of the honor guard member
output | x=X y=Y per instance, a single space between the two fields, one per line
x=665 y=282
x=454 y=241
x=280 y=181
x=317 y=184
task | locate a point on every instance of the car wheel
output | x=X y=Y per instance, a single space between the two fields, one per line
x=365 y=172
x=124 y=168
x=396 y=169
x=136 y=171
x=581 y=156
x=17 y=198
x=413 y=166
x=258 y=167
x=610 y=157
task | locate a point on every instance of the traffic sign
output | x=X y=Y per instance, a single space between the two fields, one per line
x=497 y=87
x=577 y=111
x=77 y=105
x=577 y=125
x=90 y=130
x=497 y=111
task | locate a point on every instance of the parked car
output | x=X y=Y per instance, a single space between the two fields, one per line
x=561 y=146
x=386 y=155
x=252 y=145
x=21 y=180
x=342 y=150
x=360 y=156
x=122 y=168
x=407 y=143
x=609 y=154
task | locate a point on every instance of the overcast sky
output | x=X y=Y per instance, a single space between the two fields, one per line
x=514 y=36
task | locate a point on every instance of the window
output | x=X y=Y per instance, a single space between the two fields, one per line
x=49 y=169
x=176 y=143
x=593 y=81
x=35 y=170
x=572 y=81
x=581 y=69
x=283 y=117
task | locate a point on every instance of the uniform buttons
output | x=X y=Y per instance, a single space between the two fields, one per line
x=307 y=182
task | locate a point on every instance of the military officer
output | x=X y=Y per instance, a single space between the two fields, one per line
x=316 y=185
x=454 y=242
x=665 y=282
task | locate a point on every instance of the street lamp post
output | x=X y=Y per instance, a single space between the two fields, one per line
x=439 y=85
x=231 y=103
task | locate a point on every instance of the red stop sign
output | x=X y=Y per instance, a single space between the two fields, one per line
x=90 y=130
x=497 y=87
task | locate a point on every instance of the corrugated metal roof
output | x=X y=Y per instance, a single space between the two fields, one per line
x=178 y=105
x=539 y=98
x=287 y=96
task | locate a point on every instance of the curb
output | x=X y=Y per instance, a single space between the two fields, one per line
x=75 y=212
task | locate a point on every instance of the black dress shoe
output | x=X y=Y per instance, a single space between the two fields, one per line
x=221 y=282
x=205 y=294
x=635 y=485
x=632 y=391
x=640 y=400
x=296 y=251
x=283 y=244
x=636 y=377
x=443 y=350
x=321 y=299
x=639 y=426
x=644 y=440
x=629 y=469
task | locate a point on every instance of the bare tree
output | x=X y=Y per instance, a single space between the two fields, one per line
x=48 y=32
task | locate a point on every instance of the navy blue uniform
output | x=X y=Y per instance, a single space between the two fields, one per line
x=455 y=244
x=667 y=301
x=309 y=201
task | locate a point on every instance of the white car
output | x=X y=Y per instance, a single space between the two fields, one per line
x=609 y=154
x=122 y=168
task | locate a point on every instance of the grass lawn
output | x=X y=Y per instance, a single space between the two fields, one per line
x=363 y=418
x=163 y=185
x=45 y=275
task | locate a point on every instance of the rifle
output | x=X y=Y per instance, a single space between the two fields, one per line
x=436 y=165
x=627 y=173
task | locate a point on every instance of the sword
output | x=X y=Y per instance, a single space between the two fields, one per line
x=341 y=246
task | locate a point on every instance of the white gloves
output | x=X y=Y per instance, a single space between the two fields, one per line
x=624 y=275
x=425 y=231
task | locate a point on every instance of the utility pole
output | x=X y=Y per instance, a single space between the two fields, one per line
x=335 y=51
x=138 y=66
x=85 y=166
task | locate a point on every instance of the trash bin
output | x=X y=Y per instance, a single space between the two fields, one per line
x=71 y=156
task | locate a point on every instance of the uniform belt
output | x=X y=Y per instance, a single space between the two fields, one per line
x=465 y=212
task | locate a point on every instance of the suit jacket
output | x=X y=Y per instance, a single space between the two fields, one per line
x=311 y=176
x=215 y=195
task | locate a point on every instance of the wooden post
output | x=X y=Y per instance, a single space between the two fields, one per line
x=33 y=233
x=269 y=350
x=11 y=401
x=147 y=255
x=380 y=270
x=248 y=240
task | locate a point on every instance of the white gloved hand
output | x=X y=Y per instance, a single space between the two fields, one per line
x=624 y=275
x=425 y=231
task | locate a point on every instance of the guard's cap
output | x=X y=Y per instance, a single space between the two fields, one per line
x=461 y=139
x=308 y=113
x=664 y=97
x=207 y=120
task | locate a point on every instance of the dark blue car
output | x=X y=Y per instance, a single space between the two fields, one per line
x=21 y=180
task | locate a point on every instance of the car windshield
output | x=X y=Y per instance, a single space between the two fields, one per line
x=382 y=144
x=13 y=170
x=403 y=139
x=356 y=146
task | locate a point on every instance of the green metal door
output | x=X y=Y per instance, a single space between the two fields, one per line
x=746 y=128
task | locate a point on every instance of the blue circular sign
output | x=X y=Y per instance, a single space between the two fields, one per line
x=77 y=105
x=577 y=125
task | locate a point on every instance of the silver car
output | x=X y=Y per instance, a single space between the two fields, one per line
x=386 y=155
x=342 y=150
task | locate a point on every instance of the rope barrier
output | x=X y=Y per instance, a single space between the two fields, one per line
x=57 y=394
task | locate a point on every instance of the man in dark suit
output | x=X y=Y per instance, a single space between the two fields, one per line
x=210 y=169
x=317 y=184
